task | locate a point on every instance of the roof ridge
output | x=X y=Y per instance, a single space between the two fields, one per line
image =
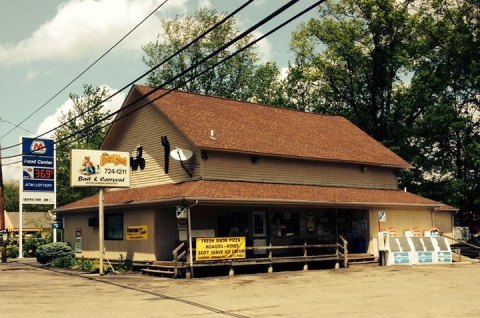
x=244 y=102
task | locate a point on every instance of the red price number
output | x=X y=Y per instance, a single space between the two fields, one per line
x=40 y=173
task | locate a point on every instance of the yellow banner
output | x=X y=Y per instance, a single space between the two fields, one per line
x=218 y=248
x=138 y=232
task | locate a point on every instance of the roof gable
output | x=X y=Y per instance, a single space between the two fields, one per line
x=266 y=130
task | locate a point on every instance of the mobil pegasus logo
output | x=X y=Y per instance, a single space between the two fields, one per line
x=38 y=147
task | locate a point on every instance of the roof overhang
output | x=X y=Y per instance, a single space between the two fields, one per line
x=251 y=193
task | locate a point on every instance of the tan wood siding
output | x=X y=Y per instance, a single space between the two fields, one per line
x=145 y=129
x=221 y=166
x=404 y=219
x=138 y=250
x=166 y=237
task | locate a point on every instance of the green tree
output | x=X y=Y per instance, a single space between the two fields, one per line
x=88 y=139
x=238 y=78
x=447 y=80
x=11 y=196
x=407 y=72
x=351 y=61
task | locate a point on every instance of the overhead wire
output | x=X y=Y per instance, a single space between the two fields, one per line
x=198 y=38
x=263 y=21
x=191 y=67
x=83 y=72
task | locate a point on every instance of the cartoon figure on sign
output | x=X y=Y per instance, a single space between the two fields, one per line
x=88 y=168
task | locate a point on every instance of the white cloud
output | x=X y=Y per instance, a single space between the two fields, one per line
x=11 y=171
x=284 y=72
x=88 y=27
x=12 y=168
x=52 y=121
x=264 y=47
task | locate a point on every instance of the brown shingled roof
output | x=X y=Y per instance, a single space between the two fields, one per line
x=260 y=129
x=251 y=192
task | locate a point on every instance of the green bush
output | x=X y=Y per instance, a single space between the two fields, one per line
x=46 y=253
x=12 y=250
x=63 y=261
x=83 y=264
x=126 y=265
x=31 y=245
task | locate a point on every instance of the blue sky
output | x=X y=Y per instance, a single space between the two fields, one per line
x=45 y=44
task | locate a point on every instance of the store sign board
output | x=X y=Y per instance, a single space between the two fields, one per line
x=137 y=233
x=38 y=178
x=220 y=248
x=99 y=168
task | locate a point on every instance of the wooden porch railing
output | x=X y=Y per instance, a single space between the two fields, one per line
x=177 y=257
x=340 y=248
x=344 y=248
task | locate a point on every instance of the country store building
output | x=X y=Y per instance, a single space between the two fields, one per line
x=272 y=176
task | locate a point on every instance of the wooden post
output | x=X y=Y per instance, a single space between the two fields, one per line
x=175 y=263
x=345 y=255
x=270 y=268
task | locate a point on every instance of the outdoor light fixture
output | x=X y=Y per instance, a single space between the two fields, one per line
x=166 y=152
x=138 y=161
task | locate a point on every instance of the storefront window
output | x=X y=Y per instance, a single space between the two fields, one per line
x=114 y=226
x=232 y=224
x=286 y=224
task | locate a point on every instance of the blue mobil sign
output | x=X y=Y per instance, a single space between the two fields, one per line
x=38 y=165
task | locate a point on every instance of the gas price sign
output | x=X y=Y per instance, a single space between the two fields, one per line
x=38 y=164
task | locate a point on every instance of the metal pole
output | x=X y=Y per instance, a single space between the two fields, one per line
x=2 y=212
x=100 y=229
x=190 y=246
x=20 y=227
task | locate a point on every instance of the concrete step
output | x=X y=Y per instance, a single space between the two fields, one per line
x=157 y=272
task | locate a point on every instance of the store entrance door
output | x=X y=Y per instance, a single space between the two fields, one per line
x=259 y=231
x=353 y=226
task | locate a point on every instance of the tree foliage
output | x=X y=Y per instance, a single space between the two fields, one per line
x=88 y=139
x=350 y=61
x=242 y=77
x=407 y=72
x=447 y=80
x=11 y=197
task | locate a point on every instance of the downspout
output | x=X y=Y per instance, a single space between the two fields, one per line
x=190 y=246
x=435 y=209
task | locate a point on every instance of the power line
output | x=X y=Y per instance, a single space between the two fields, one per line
x=198 y=38
x=83 y=72
x=245 y=33
x=191 y=67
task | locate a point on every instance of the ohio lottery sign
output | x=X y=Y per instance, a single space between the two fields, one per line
x=38 y=164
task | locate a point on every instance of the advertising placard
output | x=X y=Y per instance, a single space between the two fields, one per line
x=99 y=168
x=215 y=248
x=137 y=233
x=38 y=178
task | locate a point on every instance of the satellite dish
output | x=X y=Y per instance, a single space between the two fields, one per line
x=181 y=154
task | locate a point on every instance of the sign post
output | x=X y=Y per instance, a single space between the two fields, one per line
x=382 y=217
x=103 y=169
x=38 y=184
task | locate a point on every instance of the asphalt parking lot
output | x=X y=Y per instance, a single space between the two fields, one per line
x=29 y=290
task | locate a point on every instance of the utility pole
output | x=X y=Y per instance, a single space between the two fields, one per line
x=2 y=212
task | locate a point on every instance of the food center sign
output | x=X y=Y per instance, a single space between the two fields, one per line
x=99 y=168
x=38 y=164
